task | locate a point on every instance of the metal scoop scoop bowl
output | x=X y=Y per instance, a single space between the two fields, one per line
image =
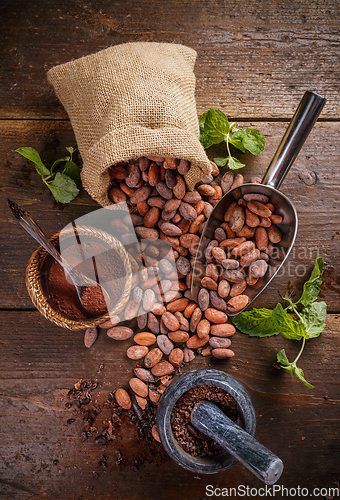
x=297 y=132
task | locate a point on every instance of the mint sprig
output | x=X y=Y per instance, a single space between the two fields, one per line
x=215 y=128
x=311 y=320
x=62 y=183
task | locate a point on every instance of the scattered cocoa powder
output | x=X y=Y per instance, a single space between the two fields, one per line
x=191 y=440
x=126 y=434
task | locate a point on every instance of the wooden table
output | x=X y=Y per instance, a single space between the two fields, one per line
x=255 y=60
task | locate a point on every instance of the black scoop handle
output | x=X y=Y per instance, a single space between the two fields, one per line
x=209 y=419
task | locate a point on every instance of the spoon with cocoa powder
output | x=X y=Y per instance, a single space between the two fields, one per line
x=86 y=288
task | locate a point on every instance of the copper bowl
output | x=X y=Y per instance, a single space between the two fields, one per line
x=36 y=282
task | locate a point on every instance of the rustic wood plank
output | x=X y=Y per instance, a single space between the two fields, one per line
x=44 y=457
x=255 y=58
x=312 y=185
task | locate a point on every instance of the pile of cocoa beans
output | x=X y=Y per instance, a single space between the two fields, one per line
x=168 y=221
x=237 y=256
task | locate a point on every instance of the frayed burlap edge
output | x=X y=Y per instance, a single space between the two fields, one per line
x=170 y=142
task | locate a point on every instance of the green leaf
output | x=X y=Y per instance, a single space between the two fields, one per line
x=314 y=318
x=256 y=323
x=282 y=358
x=63 y=188
x=289 y=328
x=72 y=149
x=300 y=375
x=33 y=155
x=248 y=139
x=216 y=125
x=291 y=368
x=311 y=288
x=205 y=140
x=201 y=120
x=234 y=163
x=73 y=171
x=221 y=162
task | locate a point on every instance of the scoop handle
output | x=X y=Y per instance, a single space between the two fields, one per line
x=297 y=132
x=209 y=419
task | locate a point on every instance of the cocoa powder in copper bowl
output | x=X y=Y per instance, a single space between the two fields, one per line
x=55 y=297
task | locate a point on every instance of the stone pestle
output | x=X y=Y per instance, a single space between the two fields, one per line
x=209 y=419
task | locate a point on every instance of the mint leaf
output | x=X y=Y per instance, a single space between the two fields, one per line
x=291 y=368
x=63 y=188
x=201 y=120
x=216 y=126
x=234 y=163
x=256 y=323
x=300 y=375
x=286 y=325
x=221 y=162
x=33 y=155
x=206 y=140
x=311 y=288
x=314 y=318
x=282 y=358
x=72 y=149
x=73 y=171
x=248 y=139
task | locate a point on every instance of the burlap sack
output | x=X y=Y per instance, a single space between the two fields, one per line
x=129 y=101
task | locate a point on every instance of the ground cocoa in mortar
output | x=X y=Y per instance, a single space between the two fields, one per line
x=109 y=269
x=191 y=440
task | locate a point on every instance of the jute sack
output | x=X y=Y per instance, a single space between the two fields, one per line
x=129 y=101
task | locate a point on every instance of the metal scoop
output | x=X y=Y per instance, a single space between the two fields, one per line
x=81 y=282
x=297 y=132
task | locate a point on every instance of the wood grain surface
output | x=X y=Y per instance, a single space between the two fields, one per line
x=255 y=59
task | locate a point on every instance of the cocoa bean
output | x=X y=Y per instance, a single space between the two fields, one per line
x=153 y=357
x=195 y=342
x=165 y=344
x=149 y=299
x=133 y=176
x=137 y=352
x=223 y=289
x=237 y=303
x=143 y=374
x=187 y=211
x=139 y=387
x=179 y=189
x=123 y=399
x=222 y=353
x=145 y=338
x=164 y=191
x=140 y=195
x=222 y=330
x=217 y=301
x=170 y=321
x=178 y=336
x=176 y=357
x=120 y=333
x=162 y=368
x=203 y=328
x=153 y=323
x=189 y=355
x=203 y=299
x=183 y=167
x=219 y=342
x=90 y=337
x=215 y=316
